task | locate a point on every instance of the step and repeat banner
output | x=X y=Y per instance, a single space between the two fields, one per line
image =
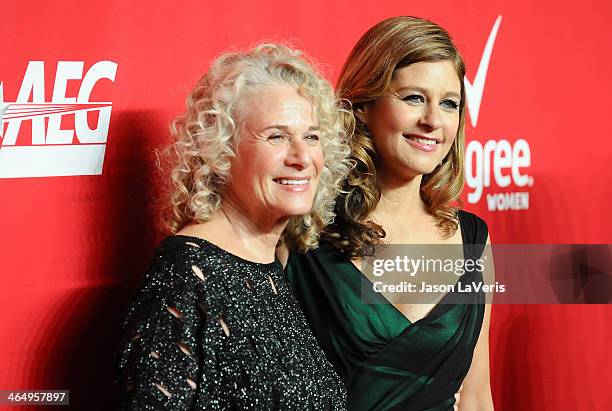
x=88 y=89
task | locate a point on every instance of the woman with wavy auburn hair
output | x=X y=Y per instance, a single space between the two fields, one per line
x=404 y=79
x=260 y=155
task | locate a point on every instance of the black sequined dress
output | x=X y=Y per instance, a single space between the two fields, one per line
x=210 y=331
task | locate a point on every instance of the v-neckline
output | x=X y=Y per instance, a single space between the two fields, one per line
x=434 y=310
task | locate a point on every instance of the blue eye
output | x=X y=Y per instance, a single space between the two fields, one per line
x=450 y=104
x=414 y=98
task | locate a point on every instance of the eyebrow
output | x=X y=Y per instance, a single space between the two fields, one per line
x=425 y=91
x=287 y=129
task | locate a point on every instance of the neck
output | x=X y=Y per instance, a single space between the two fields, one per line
x=234 y=229
x=251 y=235
x=400 y=200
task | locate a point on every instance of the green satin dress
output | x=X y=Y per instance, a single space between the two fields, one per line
x=387 y=362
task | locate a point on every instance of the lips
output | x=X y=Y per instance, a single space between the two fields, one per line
x=422 y=143
x=293 y=184
x=422 y=139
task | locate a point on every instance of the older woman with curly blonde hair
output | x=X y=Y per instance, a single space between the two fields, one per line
x=404 y=79
x=260 y=156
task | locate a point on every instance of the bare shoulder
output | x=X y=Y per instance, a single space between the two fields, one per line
x=202 y=231
x=210 y=232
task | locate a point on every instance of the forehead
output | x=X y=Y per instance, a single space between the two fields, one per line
x=282 y=104
x=438 y=75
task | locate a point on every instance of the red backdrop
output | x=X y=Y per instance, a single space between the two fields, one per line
x=78 y=225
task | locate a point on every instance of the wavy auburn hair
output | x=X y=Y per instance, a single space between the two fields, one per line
x=390 y=45
x=207 y=133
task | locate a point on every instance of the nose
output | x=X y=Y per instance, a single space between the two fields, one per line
x=298 y=155
x=431 y=117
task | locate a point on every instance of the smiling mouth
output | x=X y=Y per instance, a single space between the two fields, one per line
x=291 y=181
x=422 y=140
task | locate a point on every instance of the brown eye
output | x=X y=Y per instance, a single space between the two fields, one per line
x=312 y=138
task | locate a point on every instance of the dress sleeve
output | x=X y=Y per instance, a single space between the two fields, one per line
x=164 y=361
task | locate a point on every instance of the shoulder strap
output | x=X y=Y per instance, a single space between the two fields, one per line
x=474 y=233
x=475 y=230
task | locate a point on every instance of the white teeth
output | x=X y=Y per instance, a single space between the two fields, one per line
x=292 y=182
x=424 y=141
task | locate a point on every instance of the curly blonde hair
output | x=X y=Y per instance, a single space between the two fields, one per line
x=392 y=44
x=207 y=133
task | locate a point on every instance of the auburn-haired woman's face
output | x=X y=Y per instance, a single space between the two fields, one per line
x=415 y=122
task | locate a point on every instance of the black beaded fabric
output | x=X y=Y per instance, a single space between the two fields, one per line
x=209 y=330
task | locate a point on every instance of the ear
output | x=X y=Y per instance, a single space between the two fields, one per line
x=360 y=113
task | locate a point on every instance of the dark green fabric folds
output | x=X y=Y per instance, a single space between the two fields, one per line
x=387 y=362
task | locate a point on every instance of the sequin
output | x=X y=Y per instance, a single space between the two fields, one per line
x=219 y=332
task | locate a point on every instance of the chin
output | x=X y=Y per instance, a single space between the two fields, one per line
x=423 y=168
x=295 y=210
x=428 y=171
x=414 y=171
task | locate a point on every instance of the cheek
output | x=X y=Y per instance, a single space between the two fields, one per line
x=318 y=158
x=265 y=160
x=451 y=133
x=452 y=126
x=390 y=118
x=386 y=145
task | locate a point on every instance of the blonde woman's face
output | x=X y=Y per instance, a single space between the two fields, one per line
x=279 y=157
x=415 y=122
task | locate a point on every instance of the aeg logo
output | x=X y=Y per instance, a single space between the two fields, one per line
x=494 y=155
x=52 y=150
